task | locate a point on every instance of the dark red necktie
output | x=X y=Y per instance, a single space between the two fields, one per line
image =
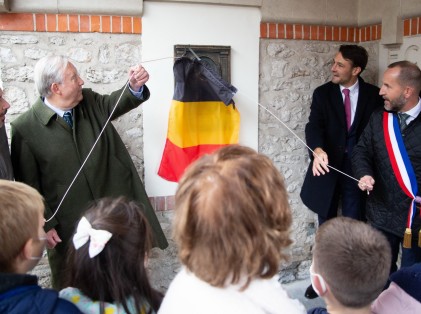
x=347 y=103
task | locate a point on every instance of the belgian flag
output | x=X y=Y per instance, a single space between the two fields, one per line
x=203 y=117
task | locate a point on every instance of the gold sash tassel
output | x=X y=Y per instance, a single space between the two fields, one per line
x=407 y=238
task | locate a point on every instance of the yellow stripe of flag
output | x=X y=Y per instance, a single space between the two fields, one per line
x=203 y=122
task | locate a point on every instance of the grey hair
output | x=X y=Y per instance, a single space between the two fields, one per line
x=49 y=70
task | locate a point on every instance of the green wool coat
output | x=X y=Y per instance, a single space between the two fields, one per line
x=46 y=154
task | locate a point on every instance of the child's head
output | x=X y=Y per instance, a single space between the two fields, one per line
x=22 y=237
x=232 y=217
x=353 y=259
x=118 y=271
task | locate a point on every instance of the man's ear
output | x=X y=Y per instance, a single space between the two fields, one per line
x=55 y=89
x=408 y=92
x=356 y=71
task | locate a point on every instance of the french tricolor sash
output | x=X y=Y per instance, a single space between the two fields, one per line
x=402 y=169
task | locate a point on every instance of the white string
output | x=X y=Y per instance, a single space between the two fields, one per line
x=293 y=133
x=115 y=106
x=102 y=131
x=90 y=152
x=304 y=143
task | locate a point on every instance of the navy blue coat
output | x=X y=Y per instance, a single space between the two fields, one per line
x=21 y=294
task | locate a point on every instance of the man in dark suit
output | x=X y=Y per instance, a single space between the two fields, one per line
x=335 y=124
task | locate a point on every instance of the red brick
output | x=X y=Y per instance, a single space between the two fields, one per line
x=263 y=30
x=329 y=33
x=314 y=32
x=73 y=23
x=298 y=31
x=344 y=33
x=357 y=35
x=321 y=31
x=137 y=25
x=84 y=24
x=106 y=24
x=281 y=31
x=306 y=32
x=419 y=26
x=116 y=24
x=62 y=22
x=16 y=22
x=289 y=33
x=51 y=23
x=351 y=34
x=159 y=203
x=95 y=24
x=362 y=34
x=40 y=22
x=414 y=26
x=127 y=25
x=379 y=32
x=272 y=30
x=170 y=202
x=406 y=26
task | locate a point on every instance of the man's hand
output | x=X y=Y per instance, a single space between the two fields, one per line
x=366 y=183
x=320 y=162
x=52 y=238
x=138 y=77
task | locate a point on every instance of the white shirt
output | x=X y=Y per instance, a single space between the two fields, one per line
x=188 y=294
x=414 y=112
x=55 y=109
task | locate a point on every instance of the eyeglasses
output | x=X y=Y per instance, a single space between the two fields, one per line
x=321 y=281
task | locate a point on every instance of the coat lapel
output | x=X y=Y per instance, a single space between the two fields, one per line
x=361 y=103
x=338 y=105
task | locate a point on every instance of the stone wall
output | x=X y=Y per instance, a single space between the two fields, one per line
x=102 y=60
x=289 y=72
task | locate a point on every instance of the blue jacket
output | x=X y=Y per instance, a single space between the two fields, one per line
x=21 y=294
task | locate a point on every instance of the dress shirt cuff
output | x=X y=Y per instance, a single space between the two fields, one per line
x=138 y=94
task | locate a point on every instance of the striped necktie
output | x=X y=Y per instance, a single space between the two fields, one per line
x=402 y=120
x=68 y=118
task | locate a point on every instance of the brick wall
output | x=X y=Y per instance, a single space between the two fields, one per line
x=28 y=22
x=352 y=34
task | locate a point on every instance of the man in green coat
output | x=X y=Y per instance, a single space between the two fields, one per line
x=48 y=149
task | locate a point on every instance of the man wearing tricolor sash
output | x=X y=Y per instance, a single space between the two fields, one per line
x=387 y=159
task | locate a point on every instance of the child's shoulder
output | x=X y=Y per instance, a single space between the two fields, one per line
x=84 y=303
x=88 y=306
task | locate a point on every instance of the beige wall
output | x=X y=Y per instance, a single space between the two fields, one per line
x=372 y=11
x=337 y=12
x=329 y=12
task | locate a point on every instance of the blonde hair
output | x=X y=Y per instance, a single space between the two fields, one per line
x=232 y=217
x=20 y=206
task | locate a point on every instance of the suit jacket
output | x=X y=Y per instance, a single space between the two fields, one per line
x=327 y=129
x=6 y=170
x=46 y=154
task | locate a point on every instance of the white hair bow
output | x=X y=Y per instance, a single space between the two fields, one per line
x=85 y=232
